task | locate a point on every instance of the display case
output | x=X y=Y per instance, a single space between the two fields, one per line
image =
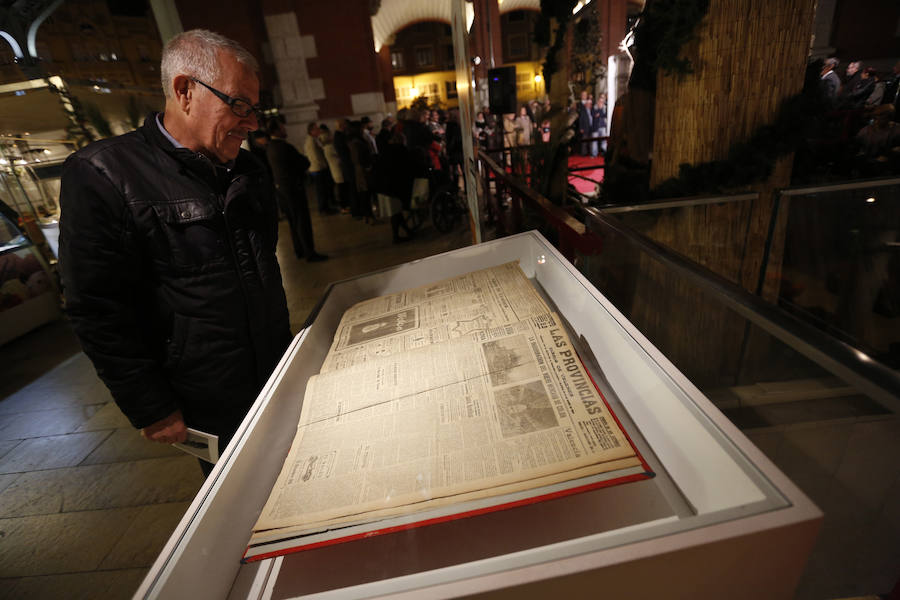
x=718 y=520
x=28 y=297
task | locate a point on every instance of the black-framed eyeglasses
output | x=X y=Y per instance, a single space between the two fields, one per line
x=238 y=106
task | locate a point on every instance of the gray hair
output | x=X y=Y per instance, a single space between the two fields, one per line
x=196 y=53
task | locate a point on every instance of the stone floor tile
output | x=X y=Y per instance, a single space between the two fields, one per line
x=871 y=462
x=31 y=356
x=108 y=585
x=56 y=390
x=767 y=441
x=153 y=481
x=5 y=481
x=126 y=444
x=45 y=422
x=108 y=417
x=38 y=396
x=94 y=487
x=51 y=452
x=818 y=449
x=63 y=543
x=7 y=445
x=145 y=537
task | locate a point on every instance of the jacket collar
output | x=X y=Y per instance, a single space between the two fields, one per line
x=214 y=172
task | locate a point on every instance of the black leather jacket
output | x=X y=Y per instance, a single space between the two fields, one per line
x=170 y=277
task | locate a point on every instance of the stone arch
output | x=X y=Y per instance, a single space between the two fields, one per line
x=394 y=15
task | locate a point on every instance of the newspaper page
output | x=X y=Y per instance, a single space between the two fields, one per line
x=498 y=410
x=433 y=313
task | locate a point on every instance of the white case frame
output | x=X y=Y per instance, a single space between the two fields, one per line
x=749 y=533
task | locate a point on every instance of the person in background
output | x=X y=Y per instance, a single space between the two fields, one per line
x=586 y=126
x=524 y=127
x=384 y=134
x=545 y=130
x=892 y=86
x=341 y=145
x=877 y=94
x=601 y=128
x=394 y=180
x=454 y=147
x=830 y=83
x=363 y=160
x=367 y=127
x=858 y=91
x=289 y=174
x=334 y=167
x=318 y=170
x=167 y=250
x=479 y=130
x=878 y=139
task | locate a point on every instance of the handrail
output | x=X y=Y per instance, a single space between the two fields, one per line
x=839 y=187
x=553 y=210
x=573 y=235
x=675 y=203
x=873 y=378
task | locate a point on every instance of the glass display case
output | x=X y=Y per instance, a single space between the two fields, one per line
x=718 y=520
x=30 y=171
x=28 y=297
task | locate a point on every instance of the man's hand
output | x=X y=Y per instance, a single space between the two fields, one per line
x=167 y=431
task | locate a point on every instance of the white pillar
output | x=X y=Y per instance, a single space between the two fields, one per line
x=290 y=50
x=819 y=47
x=167 y=20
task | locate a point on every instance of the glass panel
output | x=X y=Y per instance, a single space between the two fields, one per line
x=842 y=266
x=831 y=439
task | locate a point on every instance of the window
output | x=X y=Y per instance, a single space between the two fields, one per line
x=402 y=92
x=430 y=90
x=518 y=45
x=451 y=89
x=524 y=82
x=424 y=56
x=449 y=58
x=397 y=61
x=516 y=15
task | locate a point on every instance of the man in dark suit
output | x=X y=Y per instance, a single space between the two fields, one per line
x=289 y=173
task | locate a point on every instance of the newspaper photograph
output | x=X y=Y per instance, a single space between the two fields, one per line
x=500 y=409
x=432 y=314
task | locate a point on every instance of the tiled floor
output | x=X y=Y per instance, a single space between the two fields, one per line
x=85 y=503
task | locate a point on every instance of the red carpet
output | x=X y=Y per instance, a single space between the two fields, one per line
x=586 y=181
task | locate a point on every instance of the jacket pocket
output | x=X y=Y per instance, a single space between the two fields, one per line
x=194 y=234
x=177 y=341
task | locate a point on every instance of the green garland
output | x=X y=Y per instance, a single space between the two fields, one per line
x=664 y=27
x=561 y=12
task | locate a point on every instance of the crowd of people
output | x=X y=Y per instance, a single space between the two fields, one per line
x=587 y=118
x=529 y=125
x=358 y=172
x=861 y=131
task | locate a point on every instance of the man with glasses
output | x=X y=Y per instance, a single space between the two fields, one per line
x=167 y=250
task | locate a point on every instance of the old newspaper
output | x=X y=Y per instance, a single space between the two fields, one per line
x=433 y=313
x=405 y=426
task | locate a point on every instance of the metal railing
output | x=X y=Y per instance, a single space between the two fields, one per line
x=509 y=197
